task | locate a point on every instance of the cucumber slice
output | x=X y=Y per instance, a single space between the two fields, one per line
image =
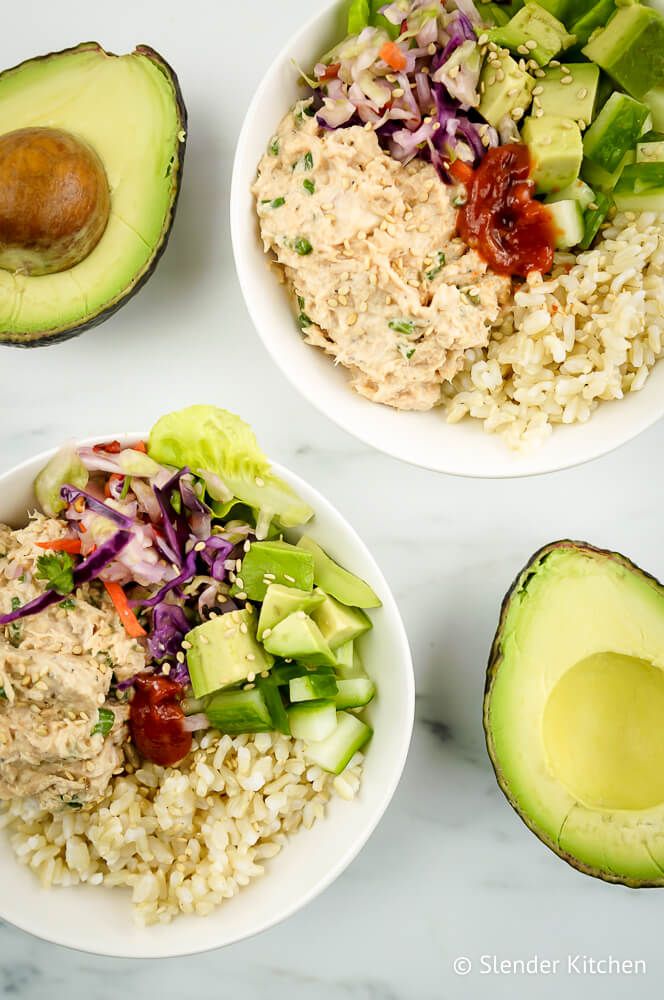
x=312 y=720
x=594 y=218
x=355 y=692
x=334 y=752
x=284 y=673
x=312 y=687
x=641 y=188
x=239 y=712
x=577 y=191
x=275 y=705
x=568 y=222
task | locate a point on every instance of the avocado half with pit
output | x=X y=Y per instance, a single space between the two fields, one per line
x=91 y=152
x=574 y=710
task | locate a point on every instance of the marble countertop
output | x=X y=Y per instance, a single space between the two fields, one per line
x=450 y=872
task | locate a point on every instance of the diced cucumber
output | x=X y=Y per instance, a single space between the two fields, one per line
x=596 y=17
x=493 y=14
x=284 y=673
x=641 y=188
x=239 y=712
x=568 y=223
x=354 y=692
x=312 y=687
x=578 y=191
x=594 y=217
x=334 y=752
x=631 y=49
x=650 y=152
x=559 y=8
x=655 y=101
x=345 y=656
x=601 y=180
x=615 y=131
x=312 y=721
x=275 y=706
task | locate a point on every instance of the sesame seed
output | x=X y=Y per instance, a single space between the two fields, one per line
x=238 y=565
x=239 y=582
x=537 y=91
x=491 y=79
x=265 y=673
x=539 y=73
x=483 y=39
x=291 y=579
x=251 y=676
x=243 y=628
x=513 y=92
x=269 y=576
x=567 y=79
x=186 y=644
x=259 y=481
x=554 y=62
x=352 y=319
x=398 y=92
x=251 y=657
x=199 y=546
x=517 y=113
x=523 y=50
x=179 y=657
x=593 y=206
x=241 y=596
x=531 y=44
x=500 y=75
x=581 y=94
x=332 y=303
x=301 y=614
x=249 y=687
x=204 y=639
x=266 y=633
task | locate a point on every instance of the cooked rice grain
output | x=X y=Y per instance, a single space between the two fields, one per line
x=590 y=332
x=183 y=839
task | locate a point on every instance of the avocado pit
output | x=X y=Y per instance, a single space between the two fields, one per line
x=54 y=200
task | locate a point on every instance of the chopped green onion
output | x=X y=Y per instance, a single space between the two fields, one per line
x=302 y=246
x=2 y=694
x=15 y=629
x=67 y=604
x=308 y=161
x=176 y=501
x=405 y=326
x=104 y=723
x=125 y=487
x=273 y=148
x=309 y=185
x=472 y=296
x=303 y=321
x=406 y=351
x=438 y=266
x=277 y=202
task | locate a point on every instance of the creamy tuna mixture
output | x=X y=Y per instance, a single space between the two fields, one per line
x=56 y=669
x=369 y=251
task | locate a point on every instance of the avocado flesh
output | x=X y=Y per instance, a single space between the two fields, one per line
x=128 y=109
x=573 y=710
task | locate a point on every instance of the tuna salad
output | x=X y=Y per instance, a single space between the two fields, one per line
x=370 y=252
x=181 y=682
x=467 y=203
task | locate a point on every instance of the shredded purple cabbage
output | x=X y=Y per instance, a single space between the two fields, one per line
x=169 y=626
x=187 y=572
x=71 y=493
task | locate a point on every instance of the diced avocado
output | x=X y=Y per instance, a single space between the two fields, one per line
x=602 y=180
x=222 y=653
x=640 y=188
x=299 y=638
x=558 y=8
x=336 y=581
x=533 y=24
x=275 y=562
x=334 y=752
x=573 y=99
x=568 y=223
x=578 y=191
x=631 y=49
x=312 y=686
x=239 y=712
x=650 y=152
x=313 y=721
x=556 y=151
x=590 y=20
x=594 y=217
x=280 y=602
x=615 y=131
x=354 y=693
x=493 y=14
x=283 y=673
x=655 y=101
x=339 y=623
x=502 y=97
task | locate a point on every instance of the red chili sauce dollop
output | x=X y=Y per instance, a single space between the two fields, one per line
x=156 y=720
x=501 y=219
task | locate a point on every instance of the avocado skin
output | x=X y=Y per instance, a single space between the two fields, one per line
x=59 y=336
x=495 y=660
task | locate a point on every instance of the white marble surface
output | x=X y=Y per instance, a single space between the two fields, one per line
x=451 y=871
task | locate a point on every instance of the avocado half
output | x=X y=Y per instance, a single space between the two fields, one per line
x=129 y=111
x=574 y=710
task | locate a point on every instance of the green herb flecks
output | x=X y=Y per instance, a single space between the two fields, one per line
x=302 y=319
x=15 y=629
x=126 y=483
x=404 y=326
x=176 y=501
x=105 y=722
x=302 y=246
x=472 y=296
x=309 y=185
x=406 y=351
x=437 y=267
x=275 y=146
x=3 y=696
x=308 y=111
x=57 y=568
x=67 y=604
x=274 y=203
x=308 y=161
x=73 y=804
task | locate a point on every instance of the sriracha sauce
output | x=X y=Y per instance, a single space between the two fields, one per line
x=156 y=720
x=501 y=219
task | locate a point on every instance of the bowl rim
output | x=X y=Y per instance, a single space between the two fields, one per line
x=403 y=739
x=535 y=463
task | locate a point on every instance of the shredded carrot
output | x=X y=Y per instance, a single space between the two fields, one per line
x=112 y=447
x=393 y=56
x=127 y=617
x=461 y=171
x=140 y=446
x=72 y=545
x=115 y=479
x=331 y=71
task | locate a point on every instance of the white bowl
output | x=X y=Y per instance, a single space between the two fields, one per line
x=420 y=438
x=99 y=920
